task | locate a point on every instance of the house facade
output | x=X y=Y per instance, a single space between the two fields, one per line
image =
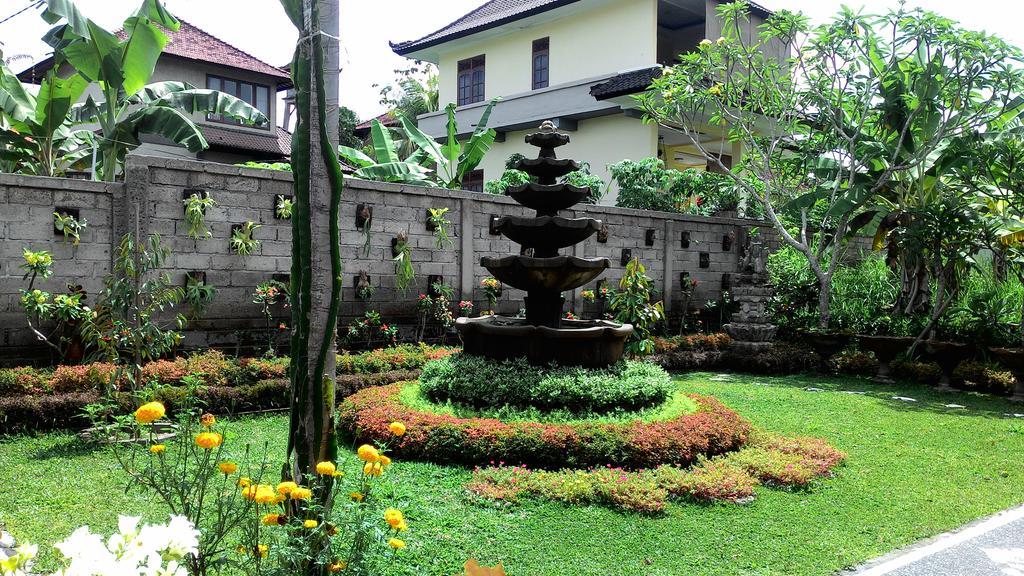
x=204 y=61
x=575 y=62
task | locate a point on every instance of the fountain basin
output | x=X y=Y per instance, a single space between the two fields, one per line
x=556 y=274
x=590 y=343
x=548 y=199
x=547 y=233
x=547 y=170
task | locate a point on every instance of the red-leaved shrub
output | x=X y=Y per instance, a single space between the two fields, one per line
x=712 y=429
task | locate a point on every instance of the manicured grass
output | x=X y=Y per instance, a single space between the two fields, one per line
x=914 y=469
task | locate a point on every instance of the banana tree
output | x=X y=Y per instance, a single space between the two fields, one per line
x=387 y=165
x=34 y=135
x=122 y=70
x=432 y=164
x=454 y=160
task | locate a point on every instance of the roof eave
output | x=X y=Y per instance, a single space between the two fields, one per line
x=408 y=48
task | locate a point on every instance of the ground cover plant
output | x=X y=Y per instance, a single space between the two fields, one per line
x=914 y=469
x=770 y=460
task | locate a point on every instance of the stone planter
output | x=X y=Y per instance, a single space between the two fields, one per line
x=885 y=349
x=1013 y=360
x=826 y=344
x=948 y=355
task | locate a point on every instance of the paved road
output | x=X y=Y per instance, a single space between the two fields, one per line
x=990 y=547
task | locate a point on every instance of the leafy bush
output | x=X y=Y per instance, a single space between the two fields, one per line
x=709 y=481
x=778 y=358
x=482 y=382
x=987 y=311
x=401 y=357
x=87 y=378
x=862 y=296
x=631 y=304
x=984 y=377
x=913 y=370
x=509 y=178
x=583 y=178
x=648 y=185
x=642 y=184
x=854 y=362
x=718 y=341
x=44 y=412
x=23 y=380
x=712 y=429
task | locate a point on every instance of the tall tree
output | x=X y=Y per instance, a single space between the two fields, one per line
x=316 y=254
x=347 y=122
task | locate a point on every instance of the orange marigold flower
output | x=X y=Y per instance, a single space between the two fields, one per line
x=397 y=428
x=228 y=468
x=368 y=453
x=384 y=460
x=373 y=469
x=209 y=440
x=335 y=567
x=150 y=412
x=393 y=517
x=157 y=449
x=271 y=520
x=356 y=496
x=326 y=469
x=208 y=420
x=244 y=481
x=301 y=494
x=396 y=543
x=287 y=487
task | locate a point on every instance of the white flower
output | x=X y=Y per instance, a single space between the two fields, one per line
x=133 y=551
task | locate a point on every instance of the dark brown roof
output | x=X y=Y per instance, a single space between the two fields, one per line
x=489 y=15
x=362 y=129
x=625 y=83
x=191 y=43
x=276 y=141
x=495 y=13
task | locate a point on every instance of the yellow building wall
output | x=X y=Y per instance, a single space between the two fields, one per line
x=612 y=37
x=600 y=141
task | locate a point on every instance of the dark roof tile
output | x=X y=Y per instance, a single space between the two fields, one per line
x=277 y=141
x=626 y=83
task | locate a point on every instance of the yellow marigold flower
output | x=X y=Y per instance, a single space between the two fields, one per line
x=393 y=517
x=280 y=498
x=209 y=440
x=157 y=449
x=271 y=520
x=244 y=481
x=397 y=428
x=373 y=469
x=368 y=453
x=705 y=42
x=338 y=474
x=310 y=524
x=150 y=412
x=208 y=420
x=228 y=468
x=265 y=494
x=396 y=543
x=335 y=567
x=249 y=492
x=287 y=487
x=326 y=469
x=384 y=460
x=402 y=526
x=356 y=496
x=301 y=494
x=263 y=550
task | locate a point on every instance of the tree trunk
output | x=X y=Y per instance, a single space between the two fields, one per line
x=824 y=301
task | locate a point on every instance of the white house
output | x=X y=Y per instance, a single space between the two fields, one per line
x=575 y=62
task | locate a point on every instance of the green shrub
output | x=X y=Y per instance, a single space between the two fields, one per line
x=986 y=311
x=854 y=362
x=984 y=377
x=23 y=380
x=401 y=357
x=481 y=382
x=915 y=371
x=510 y=178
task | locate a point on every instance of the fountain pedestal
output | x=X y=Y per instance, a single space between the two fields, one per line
x=544 y=336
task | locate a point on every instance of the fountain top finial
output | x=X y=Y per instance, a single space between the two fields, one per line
x=547 y=126
x=547 y=139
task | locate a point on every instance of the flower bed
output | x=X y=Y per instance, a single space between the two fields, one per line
x=713 y=429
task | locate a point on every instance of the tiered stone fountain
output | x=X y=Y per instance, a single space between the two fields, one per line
x=544 y=336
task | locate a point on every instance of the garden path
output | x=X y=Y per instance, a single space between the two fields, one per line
x=993 y=546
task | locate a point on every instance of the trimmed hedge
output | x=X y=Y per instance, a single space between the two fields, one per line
x=780 y=358
x=713 y=429
x=401 y=357
x=481 y=382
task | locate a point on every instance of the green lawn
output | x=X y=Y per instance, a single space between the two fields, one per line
x=914 y=469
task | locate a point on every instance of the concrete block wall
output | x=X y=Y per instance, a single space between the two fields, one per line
x=150 y=201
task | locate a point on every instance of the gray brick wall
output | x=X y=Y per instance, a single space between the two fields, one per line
x=152 y=195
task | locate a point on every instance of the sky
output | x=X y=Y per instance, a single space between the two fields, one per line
x=260 y=28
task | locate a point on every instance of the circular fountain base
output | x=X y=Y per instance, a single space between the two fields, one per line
x=590 y=343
